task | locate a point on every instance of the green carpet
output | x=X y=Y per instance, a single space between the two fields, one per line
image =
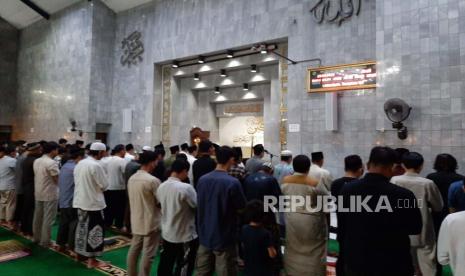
x=41 y=262
x=48 y=263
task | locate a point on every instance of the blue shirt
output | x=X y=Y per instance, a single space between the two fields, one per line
x=457 y=196
x=219 y=197
x=66 y=184
x=282 y=170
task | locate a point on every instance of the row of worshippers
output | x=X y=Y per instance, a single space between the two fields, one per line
x=368 y=242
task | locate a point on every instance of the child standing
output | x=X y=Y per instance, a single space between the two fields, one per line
x=257 y=243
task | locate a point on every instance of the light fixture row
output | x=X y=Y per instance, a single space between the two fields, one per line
x=245 y=87
x=224 y=74
x=262 y=48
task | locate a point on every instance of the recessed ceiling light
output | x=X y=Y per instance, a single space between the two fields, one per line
x=230 y=54
x=245 y=87
x=217 y=90
x=201 y=60
x=175 y=64
x=196 y=76
x=223 y=73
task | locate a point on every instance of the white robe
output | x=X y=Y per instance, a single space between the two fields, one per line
x=306 y=235
x=324 y=177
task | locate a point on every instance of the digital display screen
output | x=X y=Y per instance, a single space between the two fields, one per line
x=342 y=77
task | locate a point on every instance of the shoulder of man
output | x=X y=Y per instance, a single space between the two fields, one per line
x=401 y=192
x=351 y=186
x=456 y=185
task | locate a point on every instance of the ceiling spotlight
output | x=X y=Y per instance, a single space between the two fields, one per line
x=253 y=68
x=175 y=64
x=196 y=76
x=217 y=90
x=230 y=54
x=201 y=60
x=223 y=73
x=245 y=87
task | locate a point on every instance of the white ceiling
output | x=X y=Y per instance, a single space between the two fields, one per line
x=20 y=15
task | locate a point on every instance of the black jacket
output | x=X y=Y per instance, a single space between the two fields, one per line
x=202 y=166
x=378 y=243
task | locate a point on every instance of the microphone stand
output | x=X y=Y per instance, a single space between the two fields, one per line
x=271 y=156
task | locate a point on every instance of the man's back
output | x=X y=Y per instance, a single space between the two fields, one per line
x=90 y=182
x=66 y=184
x=323 y=176
x=282 y=170
x=219 y=197
x=253 y=164
x=443 y=180
x=145 y=215
x=28 y=176
x=178 y=202
x=115 y=171
x=428 y=196
x=45 y=188
x=202 y=166
x=378 y=243
x=7 y=173
x=259 y=184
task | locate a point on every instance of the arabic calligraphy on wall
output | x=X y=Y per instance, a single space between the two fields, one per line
x=133 y=48
x=335 y=11
x=255 y=125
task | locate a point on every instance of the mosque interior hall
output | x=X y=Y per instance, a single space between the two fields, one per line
x=232 y=137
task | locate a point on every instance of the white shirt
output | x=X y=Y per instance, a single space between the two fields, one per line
x=104 y=162
x=115 y=171
x=90 y=182
x=451 y=243
x=324 y=177
x=427 y=194
x=7 y=173
x=129 y=157
x=191 y=159
x=178 y=202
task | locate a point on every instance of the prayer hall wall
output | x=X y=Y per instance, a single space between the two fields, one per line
x=178 y=29
x=8 y=71
x=65 y=72
x=419 y=47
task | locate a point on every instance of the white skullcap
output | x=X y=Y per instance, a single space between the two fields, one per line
x=267 y=165
x=97 y=146
x=146 y=148
x=286 y=153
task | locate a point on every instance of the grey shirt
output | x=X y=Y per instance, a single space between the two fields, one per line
x=254 y=164
x=7 y=173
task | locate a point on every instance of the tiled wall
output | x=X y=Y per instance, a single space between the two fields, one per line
x=8 y=84
x=65 y=72
x=54 y=74
x=419 y=46
x=177 y=29
x=424 y=42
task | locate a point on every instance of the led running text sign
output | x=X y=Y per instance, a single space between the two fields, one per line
x=343 y=77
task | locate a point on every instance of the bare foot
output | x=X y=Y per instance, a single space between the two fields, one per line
x=93 y=263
